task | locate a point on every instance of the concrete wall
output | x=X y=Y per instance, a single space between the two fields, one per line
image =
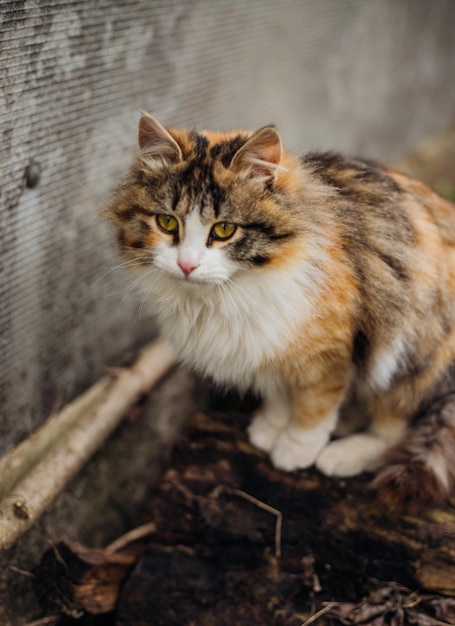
x=365 y=77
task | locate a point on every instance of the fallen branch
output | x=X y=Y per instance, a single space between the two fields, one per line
x=261 y=505
x=17 y=463
x=33 y=474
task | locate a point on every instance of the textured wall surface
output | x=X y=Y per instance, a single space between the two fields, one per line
x=365 y=77
x=373 y=78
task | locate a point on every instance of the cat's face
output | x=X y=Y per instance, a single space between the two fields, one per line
x=202 y=207
x=195 y=246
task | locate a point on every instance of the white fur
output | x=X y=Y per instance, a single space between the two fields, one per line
x=297 y=448
x=227 y=330
x=193 y=249
x=223 y=320
x=270 y=421
x=437 y=463
x=387 y=363
x=352 y=455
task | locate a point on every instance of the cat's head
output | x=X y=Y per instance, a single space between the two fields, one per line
x=201 y=207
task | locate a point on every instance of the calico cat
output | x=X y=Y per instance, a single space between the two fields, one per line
x=324 y=283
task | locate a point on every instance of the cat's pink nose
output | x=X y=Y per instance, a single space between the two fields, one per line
x=187 y=268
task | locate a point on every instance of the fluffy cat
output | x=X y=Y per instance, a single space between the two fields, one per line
x=324 y=283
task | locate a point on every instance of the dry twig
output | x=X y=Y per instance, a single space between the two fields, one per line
x=261 y=505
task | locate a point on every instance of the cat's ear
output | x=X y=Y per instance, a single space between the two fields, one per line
x=260 y=156
x=155 y=140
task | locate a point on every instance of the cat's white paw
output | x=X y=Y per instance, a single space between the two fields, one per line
x=263 y=433
x=297 y=449
x=351 y=455
x=266 y=427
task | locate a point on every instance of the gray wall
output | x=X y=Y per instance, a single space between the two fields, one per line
x=355 y=75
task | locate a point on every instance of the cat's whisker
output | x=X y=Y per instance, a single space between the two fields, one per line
x=226 y=294
x=142 y=305
x=134 y=285
x=126 y=264
x=131 y=286
x=116 y=294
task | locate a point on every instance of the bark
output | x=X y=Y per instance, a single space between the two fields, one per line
x=239 y=542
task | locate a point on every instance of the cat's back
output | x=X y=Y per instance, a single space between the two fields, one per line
x=368 y=184
x=384 y=211
x=422 y=200
x=398 y=242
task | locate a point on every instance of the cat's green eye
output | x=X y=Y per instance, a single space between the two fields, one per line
x=223 y=230
x=168 y=223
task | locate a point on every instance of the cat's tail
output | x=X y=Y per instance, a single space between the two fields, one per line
x=420 y=470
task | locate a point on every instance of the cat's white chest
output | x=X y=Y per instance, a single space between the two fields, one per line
x=230 y=351
x=231 y=333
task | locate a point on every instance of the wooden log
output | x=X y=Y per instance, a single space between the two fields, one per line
x=239 y=542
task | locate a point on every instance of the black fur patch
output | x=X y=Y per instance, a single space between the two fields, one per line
x=226 y=150
x=138 y=209
x=137 y=244
x=217 y=195
x=259 y=259
x=267 y=230
x=200 y=144
x=125 y=215
x=361 y=349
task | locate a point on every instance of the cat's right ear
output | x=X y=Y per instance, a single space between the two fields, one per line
x=155 y=140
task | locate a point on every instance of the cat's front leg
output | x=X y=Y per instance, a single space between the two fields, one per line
x=298 y=448
x=314 y=415
x=270 y=421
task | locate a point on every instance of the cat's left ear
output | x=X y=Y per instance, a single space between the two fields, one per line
x=260 y=156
